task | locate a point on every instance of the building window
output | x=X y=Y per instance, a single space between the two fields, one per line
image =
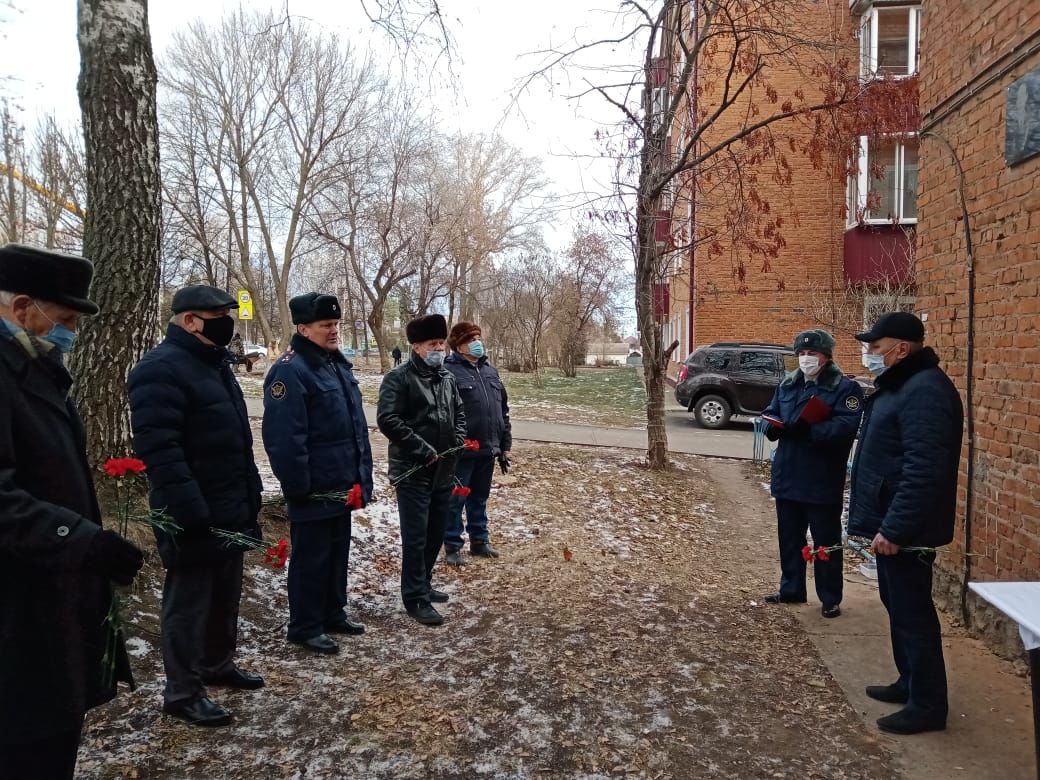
x=884 y=188
x=888 y=40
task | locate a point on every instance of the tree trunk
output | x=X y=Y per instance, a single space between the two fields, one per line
x=117 y=84
x=650 y=337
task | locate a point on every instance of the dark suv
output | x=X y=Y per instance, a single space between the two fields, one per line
x=730 y=378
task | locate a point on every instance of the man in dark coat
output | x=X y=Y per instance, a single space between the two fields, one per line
x=191 y=429
x=487 y=422
x=808 y=474
x=904 y=494
x=316 y=438
x=395 y=353
x=420 y=412
x=58 y=560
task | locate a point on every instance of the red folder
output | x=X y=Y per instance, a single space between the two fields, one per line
x=776 y=422
x=815 y=411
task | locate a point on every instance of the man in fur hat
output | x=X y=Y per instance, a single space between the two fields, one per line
x=814 y=414
x=421 y=413
x=487 y=422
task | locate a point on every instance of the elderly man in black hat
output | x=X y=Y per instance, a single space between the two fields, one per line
x=815 y=414
x=58 y=562
x=316 y=437
x=190 y=427
x=421 y=413
x=904 y=494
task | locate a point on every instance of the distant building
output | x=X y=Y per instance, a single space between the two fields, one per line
x=607 y=353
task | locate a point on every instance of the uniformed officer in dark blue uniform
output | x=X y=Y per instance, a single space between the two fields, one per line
x=809 y=468
x=316 y=438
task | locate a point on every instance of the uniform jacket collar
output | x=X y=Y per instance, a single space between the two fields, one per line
x=896 y=376
x=828 y=379
x=313 y=354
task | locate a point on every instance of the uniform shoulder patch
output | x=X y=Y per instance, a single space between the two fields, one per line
x=852 y=403
x=277 y=390
x=288 y=356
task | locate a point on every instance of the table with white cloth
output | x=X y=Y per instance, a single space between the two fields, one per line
x=1020 y=601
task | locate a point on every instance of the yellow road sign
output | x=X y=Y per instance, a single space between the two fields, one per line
x=245 y=305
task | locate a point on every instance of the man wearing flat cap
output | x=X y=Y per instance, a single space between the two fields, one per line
x=58 y=561
x=421 y=413
x=815 y=413
x=316 y=438
x=190 y=427
x=487 y=422
x=904 y=494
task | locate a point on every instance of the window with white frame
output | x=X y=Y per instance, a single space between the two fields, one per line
x=658 y=104
x=884 y=188
x=888 y=40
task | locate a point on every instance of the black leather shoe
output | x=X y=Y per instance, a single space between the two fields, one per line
x=454 y=558
x=780 y=598
x=904 y=722
x=483 y=549
x=202 y=711
x=236 y=678
x=890 y=694
x=438 y=596
x=831 y=612
x=345 y=626
x=424 y=612
x=322 y=643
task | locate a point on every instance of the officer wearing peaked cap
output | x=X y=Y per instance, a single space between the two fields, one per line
x=316 y=438
x=59 y=563
x=814 y=414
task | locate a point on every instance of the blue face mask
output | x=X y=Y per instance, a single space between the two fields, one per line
x=476 y=349
x=61 y=337
x=876 y=363
x=434 y=359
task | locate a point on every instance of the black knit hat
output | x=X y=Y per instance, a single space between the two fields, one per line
x=312 y=307
x=201 y=297
x=428 y=328
x=817 y=340
x=48 y=275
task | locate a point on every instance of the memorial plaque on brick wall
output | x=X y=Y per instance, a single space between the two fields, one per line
x=1022 y=132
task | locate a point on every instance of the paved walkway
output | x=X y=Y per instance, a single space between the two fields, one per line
x=684 y=435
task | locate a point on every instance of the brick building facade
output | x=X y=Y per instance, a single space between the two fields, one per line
x=975 y=83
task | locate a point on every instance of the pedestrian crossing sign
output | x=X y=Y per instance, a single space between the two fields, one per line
x=245 y=305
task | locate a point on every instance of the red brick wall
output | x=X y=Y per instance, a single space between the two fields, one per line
x=958 y=43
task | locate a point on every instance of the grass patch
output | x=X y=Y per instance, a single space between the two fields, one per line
x=596 y=396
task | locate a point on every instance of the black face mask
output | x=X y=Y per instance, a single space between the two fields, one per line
x=219 y=330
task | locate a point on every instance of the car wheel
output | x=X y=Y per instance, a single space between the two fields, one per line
x=712 y=411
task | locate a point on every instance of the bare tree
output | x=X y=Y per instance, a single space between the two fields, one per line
x=117 y=93
x=59 y=168
x=13 y=196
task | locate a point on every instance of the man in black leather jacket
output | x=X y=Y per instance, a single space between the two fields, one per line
x=421 y=413
x=904 y=494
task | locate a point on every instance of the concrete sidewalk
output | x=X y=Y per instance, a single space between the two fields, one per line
x=684 y=435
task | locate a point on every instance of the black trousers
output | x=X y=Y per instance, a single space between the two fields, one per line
x=793 y=518
x=53 y=758
x=318 y=576
x=199 y=625
x=905 y=583
x=424 y=513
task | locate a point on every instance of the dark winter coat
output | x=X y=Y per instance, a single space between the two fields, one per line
x=904 y=477
x=191 y=429
x=52 y=609
x=487 y=407
x=314 y=429
x=812 y=470
x=421 y=413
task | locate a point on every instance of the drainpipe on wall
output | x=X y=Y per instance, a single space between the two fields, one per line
x=969 y=491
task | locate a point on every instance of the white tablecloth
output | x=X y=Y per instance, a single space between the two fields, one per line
x=1020 y=601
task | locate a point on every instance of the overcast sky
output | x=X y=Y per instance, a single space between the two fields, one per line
x=41 y=55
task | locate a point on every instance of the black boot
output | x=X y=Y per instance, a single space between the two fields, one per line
x=424 y=613
x=453 y=556
x=483 y=549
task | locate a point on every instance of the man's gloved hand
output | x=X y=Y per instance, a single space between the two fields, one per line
x=113 y=557
x=796 y=431
x=503 y=463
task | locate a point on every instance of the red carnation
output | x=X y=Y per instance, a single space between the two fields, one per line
x=471 y=444
x=460 y=490
x=807 y=552
x=822 y=554
x=278 y=554
x=120 y=467
x=354 y=498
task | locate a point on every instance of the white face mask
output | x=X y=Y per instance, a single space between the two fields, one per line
x=810 y=365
